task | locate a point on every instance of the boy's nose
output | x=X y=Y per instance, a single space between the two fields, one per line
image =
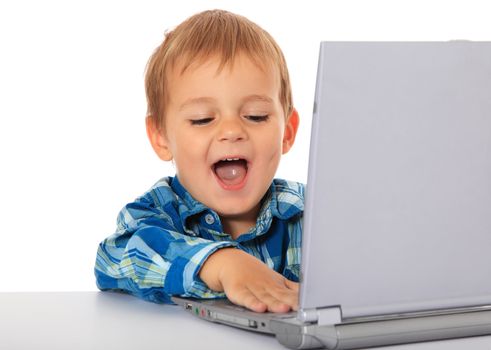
x=232 y=131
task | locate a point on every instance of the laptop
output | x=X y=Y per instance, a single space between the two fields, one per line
x=397 y=223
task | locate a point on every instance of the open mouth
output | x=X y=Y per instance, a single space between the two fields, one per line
x=231 y=171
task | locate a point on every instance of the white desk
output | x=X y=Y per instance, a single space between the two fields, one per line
x=95 y=320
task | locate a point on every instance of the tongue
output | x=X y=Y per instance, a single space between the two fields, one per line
x=231 y=172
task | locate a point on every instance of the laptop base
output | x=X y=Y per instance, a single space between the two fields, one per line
x=352 y=335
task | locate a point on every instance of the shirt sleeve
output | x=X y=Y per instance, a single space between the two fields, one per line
x=151 y=258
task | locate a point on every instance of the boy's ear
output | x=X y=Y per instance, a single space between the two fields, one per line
x=291 y=128
x=158 y=140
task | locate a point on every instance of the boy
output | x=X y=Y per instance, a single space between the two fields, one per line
x=220 y=107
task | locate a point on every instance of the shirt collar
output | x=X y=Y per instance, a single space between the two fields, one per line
x=188 y=206
x=281 y=200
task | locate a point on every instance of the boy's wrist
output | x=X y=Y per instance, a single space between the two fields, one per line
x=210 y=272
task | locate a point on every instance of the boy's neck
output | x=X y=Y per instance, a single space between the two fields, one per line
x=235 y=226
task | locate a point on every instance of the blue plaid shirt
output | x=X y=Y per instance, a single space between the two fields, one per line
x=164 y=237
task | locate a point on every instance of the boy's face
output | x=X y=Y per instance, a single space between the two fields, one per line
x=226 y=131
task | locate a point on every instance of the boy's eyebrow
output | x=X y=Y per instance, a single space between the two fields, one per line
x=261 y=98
x=250 y=98
x=196 y=100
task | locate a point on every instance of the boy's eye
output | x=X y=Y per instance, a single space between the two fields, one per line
x=257 y=118
x=202 y=121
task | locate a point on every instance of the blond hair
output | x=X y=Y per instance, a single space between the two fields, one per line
x=208 y=33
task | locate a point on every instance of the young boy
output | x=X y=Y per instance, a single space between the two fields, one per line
x=219 y=107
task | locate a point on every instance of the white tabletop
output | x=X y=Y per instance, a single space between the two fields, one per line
x=96 y=320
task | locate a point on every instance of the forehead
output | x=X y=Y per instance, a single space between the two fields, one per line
x=194 y=60
x=212 y=76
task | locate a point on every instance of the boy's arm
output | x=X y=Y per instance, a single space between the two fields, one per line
x=249 y=282
x=149 y=258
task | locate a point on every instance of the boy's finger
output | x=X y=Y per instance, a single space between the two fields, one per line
x=286 y=293
x=287 y=297
x=248 y=300
x=274 y=304
x=278 y=307
x=292 y=285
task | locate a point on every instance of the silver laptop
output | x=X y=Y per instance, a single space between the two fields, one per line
x=397 y=223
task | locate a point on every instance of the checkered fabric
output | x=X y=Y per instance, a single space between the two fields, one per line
x=164 y=237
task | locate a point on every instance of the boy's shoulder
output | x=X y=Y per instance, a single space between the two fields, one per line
x=282 y=185
x=289 y=196
x=289 y=188
x=159 y=194
x=167 y=194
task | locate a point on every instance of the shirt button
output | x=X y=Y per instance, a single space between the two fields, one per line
x=209 y=219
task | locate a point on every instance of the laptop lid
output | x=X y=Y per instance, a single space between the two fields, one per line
x=398 y=201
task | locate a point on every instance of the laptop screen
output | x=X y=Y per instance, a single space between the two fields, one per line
x=398 y=202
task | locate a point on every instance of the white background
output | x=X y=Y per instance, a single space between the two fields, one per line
x=73 y=148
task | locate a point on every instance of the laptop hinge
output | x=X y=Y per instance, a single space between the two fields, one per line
x=322 y=316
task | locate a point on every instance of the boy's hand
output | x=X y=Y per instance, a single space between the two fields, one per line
x=249 y=282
